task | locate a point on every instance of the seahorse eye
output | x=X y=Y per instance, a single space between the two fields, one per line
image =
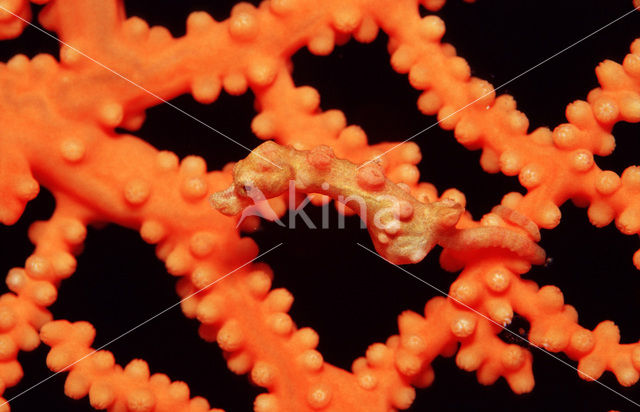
x=245 y=188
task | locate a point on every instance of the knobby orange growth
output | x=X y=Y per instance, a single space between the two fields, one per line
x=60 y=120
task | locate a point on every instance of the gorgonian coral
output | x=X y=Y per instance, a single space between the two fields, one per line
x=67 y=125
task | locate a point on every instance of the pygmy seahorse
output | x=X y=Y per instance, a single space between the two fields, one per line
x=403 y=229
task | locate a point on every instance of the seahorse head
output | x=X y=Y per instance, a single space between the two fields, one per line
x=261 y=175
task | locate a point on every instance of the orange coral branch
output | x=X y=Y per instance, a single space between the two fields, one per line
x=108 y=385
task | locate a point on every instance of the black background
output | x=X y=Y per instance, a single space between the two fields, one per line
x=346 y=294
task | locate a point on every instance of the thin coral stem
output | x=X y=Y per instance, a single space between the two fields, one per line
x=108 y=385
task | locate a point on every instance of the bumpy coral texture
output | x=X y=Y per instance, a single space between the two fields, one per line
x=59 y=121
